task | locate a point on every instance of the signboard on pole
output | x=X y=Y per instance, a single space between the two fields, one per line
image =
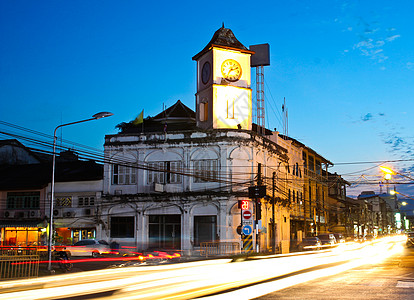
x=247 y=243
x=247 y=215
x=247 y=229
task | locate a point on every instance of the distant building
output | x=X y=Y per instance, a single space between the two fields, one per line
x=379 y=215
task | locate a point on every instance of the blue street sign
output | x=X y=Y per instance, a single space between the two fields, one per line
x=247 y=229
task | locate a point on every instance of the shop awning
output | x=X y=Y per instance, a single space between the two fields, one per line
x=21 y=223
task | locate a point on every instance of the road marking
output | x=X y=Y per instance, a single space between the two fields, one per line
x=405 y=284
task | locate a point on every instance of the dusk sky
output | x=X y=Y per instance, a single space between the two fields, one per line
x=346 y=69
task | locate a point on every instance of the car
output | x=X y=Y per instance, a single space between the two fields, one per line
x=310 y=243
x=339 y=237
x=90 y=247
x=410 y=239
x=327 y=239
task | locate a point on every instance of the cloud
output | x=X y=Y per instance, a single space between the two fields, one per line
x=367 y=117
x=401 y=146
x=372 y=49
x=372 y=38
x=396 y=142
x=394 y=37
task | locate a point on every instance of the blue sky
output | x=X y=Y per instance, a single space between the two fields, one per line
x=346 y=68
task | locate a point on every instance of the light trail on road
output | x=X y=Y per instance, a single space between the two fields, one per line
x=222 y=277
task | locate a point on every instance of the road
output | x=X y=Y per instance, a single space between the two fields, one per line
x=216 y=279
x=392 y=278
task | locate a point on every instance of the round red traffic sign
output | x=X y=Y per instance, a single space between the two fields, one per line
x=247 y=214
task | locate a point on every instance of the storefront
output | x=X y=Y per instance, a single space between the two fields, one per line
x=22 y=233
x=69 y=236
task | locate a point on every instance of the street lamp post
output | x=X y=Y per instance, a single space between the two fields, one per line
x=49 y=246
x=403 y=203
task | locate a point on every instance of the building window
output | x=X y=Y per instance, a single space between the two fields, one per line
x=311 y=163
x=205 y=170
x=205 y=229
x=203 y=111
x=305 y=160
x=122 y=227
x=23 y=200
x=123 y=175
x=230 y=108
x=296 y=169
x=63 y=201
x=86 y=201
x=318 y=167
x=164 y=172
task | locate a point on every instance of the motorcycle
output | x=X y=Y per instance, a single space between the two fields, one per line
x=63 y=260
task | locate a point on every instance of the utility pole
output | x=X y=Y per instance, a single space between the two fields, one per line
x=258 y=207
x=273 y=214
x=304 y=210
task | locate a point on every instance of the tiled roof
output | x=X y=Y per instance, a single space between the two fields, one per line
x=225 y=38
x=174 y=118
x=176 y=111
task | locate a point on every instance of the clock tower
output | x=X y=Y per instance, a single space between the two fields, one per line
x=224 y=96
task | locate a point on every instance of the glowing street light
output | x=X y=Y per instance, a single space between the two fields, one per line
x=388 y=172
x=403 y=203
x=49 y=246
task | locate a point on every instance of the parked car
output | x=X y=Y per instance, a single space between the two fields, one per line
x=91 y=247
x=327 y=239
x=410 y=239
x=310 y=243
x=339 y=237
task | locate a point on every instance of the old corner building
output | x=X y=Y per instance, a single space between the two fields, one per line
x=174 y=181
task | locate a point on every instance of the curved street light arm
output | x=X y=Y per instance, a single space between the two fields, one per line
x=52 y=196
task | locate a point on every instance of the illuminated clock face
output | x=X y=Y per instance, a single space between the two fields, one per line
x=231 y=70
x=205 y=72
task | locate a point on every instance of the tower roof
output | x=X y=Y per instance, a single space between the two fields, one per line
x=176 y=112
x=223 y=38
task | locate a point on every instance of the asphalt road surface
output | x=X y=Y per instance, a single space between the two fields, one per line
x=382 y=269
x=390 y=279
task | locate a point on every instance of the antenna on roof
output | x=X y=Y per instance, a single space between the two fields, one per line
x=222 y=25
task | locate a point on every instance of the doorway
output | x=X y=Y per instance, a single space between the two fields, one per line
x=165 y=232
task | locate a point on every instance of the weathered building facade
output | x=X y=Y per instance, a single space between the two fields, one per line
x=179 y=188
